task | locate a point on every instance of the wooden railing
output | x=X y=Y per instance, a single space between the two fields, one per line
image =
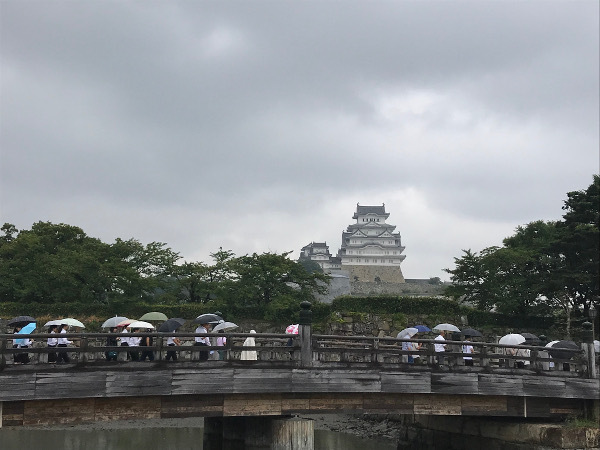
x=321 y=351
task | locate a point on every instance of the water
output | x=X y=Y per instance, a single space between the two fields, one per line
x=129 y=436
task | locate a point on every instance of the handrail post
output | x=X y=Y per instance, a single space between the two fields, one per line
x=159 y=347
x=2 y=354
x=83 y=345
x=305 y=335
x=484 y=360
x=588 y=349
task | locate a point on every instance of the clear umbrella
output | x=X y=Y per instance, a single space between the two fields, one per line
x=113 y=322
x=225 y=326
x=71 y=322
x=511 y=339
x=407 y=333
x=141 y=324
x=446 y=327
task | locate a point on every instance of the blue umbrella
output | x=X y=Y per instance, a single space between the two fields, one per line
x=27 y=329
x=422 y=328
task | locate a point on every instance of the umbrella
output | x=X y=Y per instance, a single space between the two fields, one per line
x=208 y=318
x=556 y=352
x=530 y=337
x=71 y=322
x=27 y=329
x=113 y=322
x=551 y=343
x=511 y=339
x=125 y=323
x=21 y=320
x=154 y=315
x=446 y=327
x=52 y=322
x=470 y=332
x=170 y=325
x=422 y=328
x=140 y=324
x=225 y=326
x=407 y=333
x=292 y=329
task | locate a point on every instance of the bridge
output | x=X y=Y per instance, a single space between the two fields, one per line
x=315 y=374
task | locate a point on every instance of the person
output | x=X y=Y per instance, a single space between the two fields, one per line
x=521 y=363
x=134 y=341
x=21 y=358
x=125 y=341
x=407 y=357
x=467 y=349
x=146 y=341
x=52 y=343
x=221 y=342
x=172 y=342
x=62 y=343
x=203 y=341
x=415 y=346
x=111 y=341
x=439 y=347
x=249 y=355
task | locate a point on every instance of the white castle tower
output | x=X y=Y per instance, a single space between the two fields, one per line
x=371 y=251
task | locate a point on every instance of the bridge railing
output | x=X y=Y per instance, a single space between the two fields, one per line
x=92 y=348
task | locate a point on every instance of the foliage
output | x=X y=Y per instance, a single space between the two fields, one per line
x=542 y=268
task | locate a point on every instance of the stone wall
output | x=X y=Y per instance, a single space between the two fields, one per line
x=386 y=274
x=409 y=289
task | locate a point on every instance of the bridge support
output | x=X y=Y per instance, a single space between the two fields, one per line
x=258 y=433
x=0 y=414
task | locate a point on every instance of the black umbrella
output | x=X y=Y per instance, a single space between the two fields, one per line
x=208 y=318
x=171 y=325
x=556 y=352
x=470 y=332
x=530 y=338
x=21 y=320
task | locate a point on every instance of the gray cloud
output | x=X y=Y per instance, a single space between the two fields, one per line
x=258 y=126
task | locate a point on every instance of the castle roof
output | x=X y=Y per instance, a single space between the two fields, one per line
x=376 y=210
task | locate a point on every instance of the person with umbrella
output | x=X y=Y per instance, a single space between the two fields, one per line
x=202 y=341
x=63 y=342
x=439 y=347
x=21 y=358
x=170 y=326
x=467 y=349
x=111 y=341
x=52 y=343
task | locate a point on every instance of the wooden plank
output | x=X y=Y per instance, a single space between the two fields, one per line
x=12 y=413
x=403 y=382
x=17 y=386
x=336 y=402
x=208 y=381
x=543 y=386
x=436 y=404
x=295 y=403
x=582 y=388
x=335 y=381
x=492 y=384
x=262 y=380
x=454 y=383
x=191 y=406
x=60 y=385
x=254 y=405
x=388 y=403
x=477 y=405
x=137 y=383
x=108 y=409
x=47 y=412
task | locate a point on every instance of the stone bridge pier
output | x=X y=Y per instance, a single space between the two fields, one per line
x=258 y=433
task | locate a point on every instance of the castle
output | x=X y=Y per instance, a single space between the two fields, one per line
x=370 y=251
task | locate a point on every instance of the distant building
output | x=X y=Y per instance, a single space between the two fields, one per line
x=371 y=251
x=319 y=253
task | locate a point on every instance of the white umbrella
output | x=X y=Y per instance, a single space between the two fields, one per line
x=511 y=339
x=113 y=322
x=407 y=333
x=71 y=322
x=225 y=326
x=140 y=324
x=52 y=322
x=446 y=327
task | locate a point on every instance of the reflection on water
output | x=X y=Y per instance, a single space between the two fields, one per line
x=169 y=438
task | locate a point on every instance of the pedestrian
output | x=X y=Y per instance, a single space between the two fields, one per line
x=439 y=347
x=467 y=349
x=21 y=358
x=221 y=342
x=125 y=342
x=62 y=343
x=172 y=342
x=146 y=342
x=249 y=355
x=134 y=342
x=111 y=341
x=52 y=343
x=202 y=341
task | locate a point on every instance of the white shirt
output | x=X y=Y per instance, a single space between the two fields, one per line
x=204 y=339
x=52 y=341
x=467 y=349
x=63 y=340
x=440 y=347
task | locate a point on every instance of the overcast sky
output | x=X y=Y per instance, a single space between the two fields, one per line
x=259 y=125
